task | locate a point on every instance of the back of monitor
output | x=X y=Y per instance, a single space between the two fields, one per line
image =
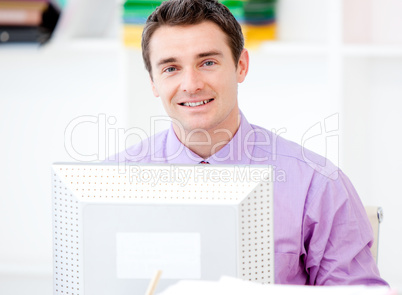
x=104 y=216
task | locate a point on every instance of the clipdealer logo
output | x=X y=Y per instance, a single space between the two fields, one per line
x=111 y=140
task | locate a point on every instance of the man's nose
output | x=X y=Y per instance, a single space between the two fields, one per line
x=192 y=81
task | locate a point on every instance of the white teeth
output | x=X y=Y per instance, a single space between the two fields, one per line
x=196 y=104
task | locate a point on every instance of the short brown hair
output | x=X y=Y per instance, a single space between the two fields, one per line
x=192 y=12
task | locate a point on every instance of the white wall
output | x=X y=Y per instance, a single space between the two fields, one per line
x=41 y=92
x=373 y=147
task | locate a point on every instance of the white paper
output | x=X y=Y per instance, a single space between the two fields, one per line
x=234 y=286
x=139 y=255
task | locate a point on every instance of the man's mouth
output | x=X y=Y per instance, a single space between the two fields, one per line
x=196 y=104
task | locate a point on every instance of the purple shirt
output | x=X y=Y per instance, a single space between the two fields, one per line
x=322 y=233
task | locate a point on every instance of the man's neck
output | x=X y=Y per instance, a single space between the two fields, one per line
x=205 y=143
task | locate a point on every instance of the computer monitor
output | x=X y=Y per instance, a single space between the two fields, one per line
x=116 y=225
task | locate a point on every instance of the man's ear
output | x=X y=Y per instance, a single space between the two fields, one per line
x=154 y=90
x=242 y=66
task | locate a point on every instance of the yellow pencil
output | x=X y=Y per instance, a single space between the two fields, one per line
x=153 y=283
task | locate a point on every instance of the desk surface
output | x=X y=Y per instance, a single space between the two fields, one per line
x=25 y=284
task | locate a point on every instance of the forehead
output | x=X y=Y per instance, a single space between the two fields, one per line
x=186 y=41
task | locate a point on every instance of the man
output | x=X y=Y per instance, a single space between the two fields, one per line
x=193 y=51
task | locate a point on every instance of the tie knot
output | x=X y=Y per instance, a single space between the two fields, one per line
x=203 y=162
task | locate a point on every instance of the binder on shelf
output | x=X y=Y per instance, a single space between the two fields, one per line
x=135 y=14
x=259 y=22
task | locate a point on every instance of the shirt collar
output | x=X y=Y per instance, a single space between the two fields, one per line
x=237 y=151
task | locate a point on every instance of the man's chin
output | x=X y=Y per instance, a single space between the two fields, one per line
x=193 y=127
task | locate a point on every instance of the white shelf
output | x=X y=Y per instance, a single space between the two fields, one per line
x=24 y=47
x=372 y=50
x=274 y=48
x=75 y=44
x=297 y=49
x=27 y=269
x=88 y=44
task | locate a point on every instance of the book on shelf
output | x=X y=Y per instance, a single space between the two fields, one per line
x=257 y=18
x=21 y=13
x=27 y=20
x=13 y=34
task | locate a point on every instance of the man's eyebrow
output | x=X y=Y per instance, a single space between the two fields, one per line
x=166 y=61
x=210 y=53
x=200 y=55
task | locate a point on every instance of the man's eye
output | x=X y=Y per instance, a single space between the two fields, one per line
x=209 y=63
x=170 y=69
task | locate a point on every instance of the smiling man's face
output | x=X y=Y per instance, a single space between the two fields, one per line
x=195 y=75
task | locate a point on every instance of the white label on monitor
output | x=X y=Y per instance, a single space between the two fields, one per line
x=140 y=255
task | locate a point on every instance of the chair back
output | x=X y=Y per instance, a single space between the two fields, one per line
x=375 y=215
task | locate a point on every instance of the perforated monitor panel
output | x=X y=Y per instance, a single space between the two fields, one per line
x=114 y=226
